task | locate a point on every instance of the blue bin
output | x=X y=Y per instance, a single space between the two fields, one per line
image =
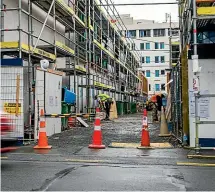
x=69 y=97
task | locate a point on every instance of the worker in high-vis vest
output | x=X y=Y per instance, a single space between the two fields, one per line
x=105 y=102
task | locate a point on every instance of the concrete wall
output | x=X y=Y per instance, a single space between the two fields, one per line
x=207 y=75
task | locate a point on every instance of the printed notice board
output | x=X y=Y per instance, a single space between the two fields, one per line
x=11 y=108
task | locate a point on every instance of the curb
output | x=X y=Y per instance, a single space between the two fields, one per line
x=196 y=164
x=201 y=156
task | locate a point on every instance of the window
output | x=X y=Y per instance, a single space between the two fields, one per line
x=156 y=45
x=175 y=32
x=162 y=59
x=147 y=45
x=156 y=59
x=162 y=72
x=157 y=87
x=162 y=45
x=147 y=59
x=131 y=33
x=149 y=87
x=162 y=87
x=143 y=59
x=145 y=33
x=159 y=32
x=133 y=46
x=141 y=46
x=147 y=73
x=156 y=73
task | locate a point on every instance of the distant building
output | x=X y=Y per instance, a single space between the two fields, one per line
x=152 y=40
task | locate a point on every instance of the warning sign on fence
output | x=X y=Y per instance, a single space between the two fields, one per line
x=11 y=108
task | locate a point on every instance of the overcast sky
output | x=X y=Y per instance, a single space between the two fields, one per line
x=152 y=12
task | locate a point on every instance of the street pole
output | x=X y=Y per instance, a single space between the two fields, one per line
x=196 y=76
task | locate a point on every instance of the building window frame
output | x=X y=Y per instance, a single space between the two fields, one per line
x=148 y=46
x=156 y=59
x=162 y=59
x=156 y=45
x=157 y=87
x=162 y=45
x=148 y=73
x=131 y=33
x=157 y=73
x=144 y=33
x=142 y=46
x=147 y=59
x=159 y=32
x=163 y=87
x=142 y=59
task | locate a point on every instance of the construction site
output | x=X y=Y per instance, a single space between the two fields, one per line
x=87 y=55
x=93 y=99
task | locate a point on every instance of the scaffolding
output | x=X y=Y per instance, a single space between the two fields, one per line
x=197 y=27
x=78 y=37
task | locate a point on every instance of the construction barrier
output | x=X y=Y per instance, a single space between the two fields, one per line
x=84 y=115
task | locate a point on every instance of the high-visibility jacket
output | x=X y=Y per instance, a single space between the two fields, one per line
x=104 y=97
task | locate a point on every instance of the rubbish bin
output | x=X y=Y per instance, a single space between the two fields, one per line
x=64 y=110
x=120 y=107
x=133 y=107
x=125 y=107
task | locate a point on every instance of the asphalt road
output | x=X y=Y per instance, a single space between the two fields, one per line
x=58 y=176
x=71 y=166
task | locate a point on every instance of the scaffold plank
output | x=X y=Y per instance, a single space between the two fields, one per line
x=25 y=47
x=64 y=47
x=201 y=11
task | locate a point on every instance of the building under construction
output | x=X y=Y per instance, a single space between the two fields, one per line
x=86 y=52
x=197 y=28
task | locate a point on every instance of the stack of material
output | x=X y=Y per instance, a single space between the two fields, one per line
x=113 y=110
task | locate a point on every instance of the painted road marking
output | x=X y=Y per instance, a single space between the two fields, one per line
x=137 y=145
x=196 y=164
x=85 y=161
x=4 y=157
x=36 y=154
x=202 y=156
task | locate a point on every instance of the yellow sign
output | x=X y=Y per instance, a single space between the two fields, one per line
x=11 y=108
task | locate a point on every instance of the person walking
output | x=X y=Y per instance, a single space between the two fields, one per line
x=105 y=102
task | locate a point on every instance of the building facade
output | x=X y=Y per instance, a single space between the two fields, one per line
x=151 y=40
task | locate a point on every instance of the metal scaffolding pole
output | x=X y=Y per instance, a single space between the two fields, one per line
x=44 y=24
x=137 y=4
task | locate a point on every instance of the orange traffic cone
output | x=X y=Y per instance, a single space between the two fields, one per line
x=43 y=141
x=71 y=122
x=145 y=140
x=97 y=134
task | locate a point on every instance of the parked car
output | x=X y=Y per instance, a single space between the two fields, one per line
x=8 y=140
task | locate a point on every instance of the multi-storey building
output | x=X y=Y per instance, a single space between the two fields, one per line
x=151 y=40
